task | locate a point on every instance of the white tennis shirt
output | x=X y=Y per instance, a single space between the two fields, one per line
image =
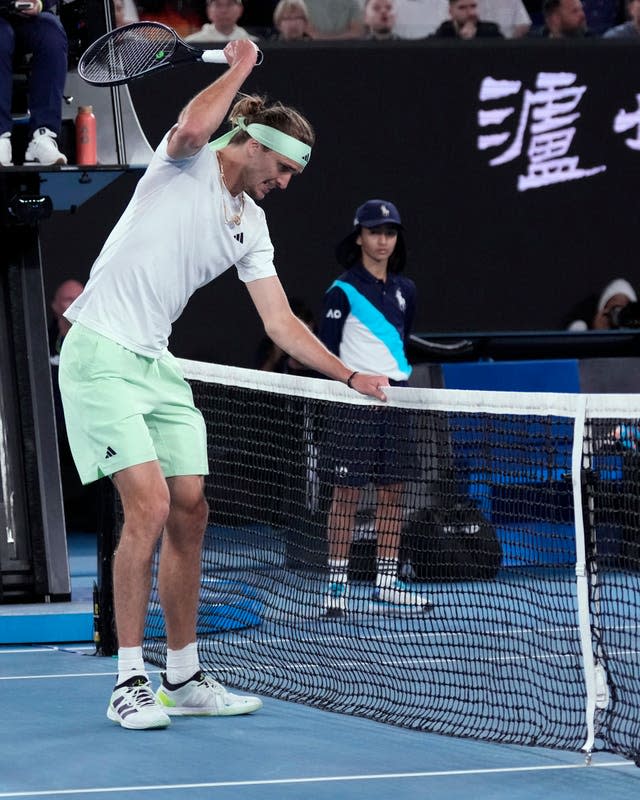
x=171 y=239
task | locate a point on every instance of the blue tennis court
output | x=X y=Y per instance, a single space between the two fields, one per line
x=56 y=741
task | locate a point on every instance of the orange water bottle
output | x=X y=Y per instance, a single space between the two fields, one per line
x=86 y=137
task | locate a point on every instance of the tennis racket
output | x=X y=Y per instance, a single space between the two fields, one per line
x=134 y=50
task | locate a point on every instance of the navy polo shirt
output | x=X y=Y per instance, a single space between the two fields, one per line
x=366 y=322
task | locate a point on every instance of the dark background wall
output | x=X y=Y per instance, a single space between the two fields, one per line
x=401 y=122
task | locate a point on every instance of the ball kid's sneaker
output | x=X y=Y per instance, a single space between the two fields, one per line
x=399 y=597
x=335 y=600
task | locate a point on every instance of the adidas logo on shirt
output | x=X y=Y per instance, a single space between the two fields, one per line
x=110 y=452
x=239 y=237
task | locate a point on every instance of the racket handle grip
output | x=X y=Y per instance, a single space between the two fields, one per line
x=213 y=57
x=218 y=57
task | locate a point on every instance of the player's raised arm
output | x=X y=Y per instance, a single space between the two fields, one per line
x=205 y=113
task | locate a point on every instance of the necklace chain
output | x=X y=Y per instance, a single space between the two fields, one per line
x=234 y=219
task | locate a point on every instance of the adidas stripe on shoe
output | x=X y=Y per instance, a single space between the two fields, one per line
x=134 y=706
x=201 y=695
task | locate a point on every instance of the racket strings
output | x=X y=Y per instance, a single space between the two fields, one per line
x=127 y=53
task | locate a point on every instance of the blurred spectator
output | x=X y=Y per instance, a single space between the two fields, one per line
x=603 y=312
x=510 y=15
x=465 y=23
x=563 y=19
x=417 y=19
x=291 y=21
x=629 y=29
x=222 y=26
x=63 y=296
x=379 y=19
x=616 y=295
x=335 y=19
x=125 y=12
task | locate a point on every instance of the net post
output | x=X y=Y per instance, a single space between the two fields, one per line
x=582 y=504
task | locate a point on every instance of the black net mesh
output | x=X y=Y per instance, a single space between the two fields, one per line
x=611 y=483
x=488 y=523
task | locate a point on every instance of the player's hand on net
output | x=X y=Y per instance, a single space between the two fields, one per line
x=371 y=385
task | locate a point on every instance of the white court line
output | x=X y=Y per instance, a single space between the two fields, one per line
x=48 y=649
x=66 y=675
x=326 y=779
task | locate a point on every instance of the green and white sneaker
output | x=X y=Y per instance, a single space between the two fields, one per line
x=201 y=695
x=134 y=706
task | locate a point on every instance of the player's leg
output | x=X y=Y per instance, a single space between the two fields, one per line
x=180 y=557
x=185 y=688
x=145 y=500
x=105 y=392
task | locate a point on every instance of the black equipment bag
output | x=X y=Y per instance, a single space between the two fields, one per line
x=455 y=543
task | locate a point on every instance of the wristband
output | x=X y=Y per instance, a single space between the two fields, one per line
x=350 y=378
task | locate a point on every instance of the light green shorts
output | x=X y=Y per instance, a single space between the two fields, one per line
x=123 y=409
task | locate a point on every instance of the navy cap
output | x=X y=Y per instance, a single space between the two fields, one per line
x=372 y=214
x=377 y=212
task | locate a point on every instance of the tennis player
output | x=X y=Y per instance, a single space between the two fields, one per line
x=367 y=318
x=129 y=413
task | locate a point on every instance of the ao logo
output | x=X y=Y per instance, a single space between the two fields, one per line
x=334 y=313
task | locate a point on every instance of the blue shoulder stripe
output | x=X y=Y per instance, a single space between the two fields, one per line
x=376 y=322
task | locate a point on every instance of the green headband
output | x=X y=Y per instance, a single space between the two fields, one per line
x=272 y=138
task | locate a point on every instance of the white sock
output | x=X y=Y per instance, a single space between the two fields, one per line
x=182 y=664
x=387 y=571
x=130 y=663
x=338 y=570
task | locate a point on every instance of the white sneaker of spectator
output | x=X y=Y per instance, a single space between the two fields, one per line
x=43 y=149
x=5 y=150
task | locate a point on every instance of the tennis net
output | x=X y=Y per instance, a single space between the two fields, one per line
x=520 y=521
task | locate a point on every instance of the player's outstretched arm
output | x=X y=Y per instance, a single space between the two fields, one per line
x=295 y=338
